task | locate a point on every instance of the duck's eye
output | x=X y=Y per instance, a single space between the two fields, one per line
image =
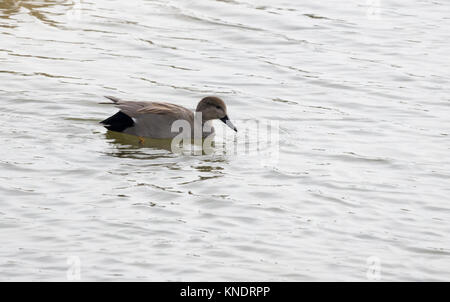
x=218 y=107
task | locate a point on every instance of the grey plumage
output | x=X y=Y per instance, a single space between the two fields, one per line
x=155 y=119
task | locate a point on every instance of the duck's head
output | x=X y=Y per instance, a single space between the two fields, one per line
x=213 y=108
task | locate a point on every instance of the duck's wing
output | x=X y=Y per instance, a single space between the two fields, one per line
x=135 y=109
x=130 y=108
x=166 y=109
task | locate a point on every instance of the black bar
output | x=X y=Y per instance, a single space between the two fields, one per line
x=216 y=291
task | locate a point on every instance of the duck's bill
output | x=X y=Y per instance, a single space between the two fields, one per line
x=227 y=121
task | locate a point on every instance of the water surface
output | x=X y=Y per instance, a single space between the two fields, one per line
x=361 y=93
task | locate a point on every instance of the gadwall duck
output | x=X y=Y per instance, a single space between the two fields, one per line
x=155 y=119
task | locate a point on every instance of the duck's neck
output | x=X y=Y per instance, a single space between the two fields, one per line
x=198 y=118
x=202 y=126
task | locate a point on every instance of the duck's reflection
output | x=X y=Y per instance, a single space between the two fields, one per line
x=129 y=146
x=133 y=142
x=132 y=146
x=158 y=152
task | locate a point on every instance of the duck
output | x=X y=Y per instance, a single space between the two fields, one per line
x=156 y=119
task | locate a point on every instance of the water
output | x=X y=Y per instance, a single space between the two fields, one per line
x=360 y=190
